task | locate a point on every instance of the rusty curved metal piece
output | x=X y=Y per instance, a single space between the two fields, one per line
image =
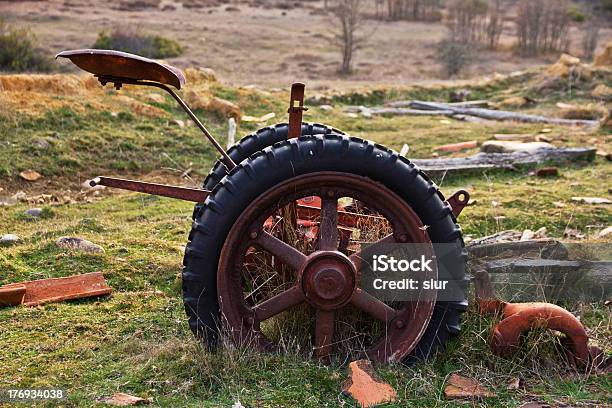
x=124 y=65
x=518 y=318
x=522 y=317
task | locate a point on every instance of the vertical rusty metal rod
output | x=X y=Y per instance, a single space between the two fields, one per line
x=296 y=107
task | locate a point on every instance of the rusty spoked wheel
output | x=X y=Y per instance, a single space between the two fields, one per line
x=241 y=258
x=254 y=289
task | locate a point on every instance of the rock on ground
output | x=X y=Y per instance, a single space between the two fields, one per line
x=8 y=239
x=79 y=244
x=604 y=58
x=602 y=92
x=499 y=146
x=34 y=212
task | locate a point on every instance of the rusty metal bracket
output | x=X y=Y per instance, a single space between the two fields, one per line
x=458 y=201
x=119 y=81
x=181 y=193
x=296 y=108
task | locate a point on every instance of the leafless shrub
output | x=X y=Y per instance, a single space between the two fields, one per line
x=589 y=40
x=347 y=39
x=495 y=23
x=424 y=10
x=465 y=19
x=542 y=25
x=476 y=21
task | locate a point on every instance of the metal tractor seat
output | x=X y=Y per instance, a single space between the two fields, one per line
x=117 y=64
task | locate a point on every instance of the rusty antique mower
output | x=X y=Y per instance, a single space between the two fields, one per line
x=279 y=227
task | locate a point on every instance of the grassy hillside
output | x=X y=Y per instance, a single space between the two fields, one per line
x=137 y=340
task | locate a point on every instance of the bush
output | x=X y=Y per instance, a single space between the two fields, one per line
x=542 y=25
x=135 y=42
x=20 y=52
x=454 y=56
x=576 y=14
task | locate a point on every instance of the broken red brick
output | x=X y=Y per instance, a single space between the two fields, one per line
x=463 y=387
x=547 y=172
x=365 y=386
x=455 y=147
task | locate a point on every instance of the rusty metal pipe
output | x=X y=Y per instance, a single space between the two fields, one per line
x=522 y=317
x=181 y=193
x=518 y=318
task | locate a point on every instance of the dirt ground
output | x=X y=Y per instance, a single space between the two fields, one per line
x=266 y=46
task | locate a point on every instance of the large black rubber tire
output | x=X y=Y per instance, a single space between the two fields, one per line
x=254 y=142
x=311 y=154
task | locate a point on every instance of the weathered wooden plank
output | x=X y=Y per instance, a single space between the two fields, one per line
x=484 y=161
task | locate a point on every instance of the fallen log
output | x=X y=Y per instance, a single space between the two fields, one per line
x=544 y=249
x=466 y=104
x=405 y=112
x=486 y=161
x=499 y=115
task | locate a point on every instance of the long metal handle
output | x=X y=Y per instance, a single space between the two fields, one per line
x=182 y=193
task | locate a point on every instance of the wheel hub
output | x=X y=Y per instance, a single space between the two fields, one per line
x=328 y=279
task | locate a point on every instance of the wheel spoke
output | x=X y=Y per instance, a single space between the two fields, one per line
x=324 y=333
x=357 y=256
x=283 y=251
x=372 y=306
x=328 y=228
x=278 y=303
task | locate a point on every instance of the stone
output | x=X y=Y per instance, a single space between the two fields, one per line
x=563 y=66
x=500 y=146
x=41 y=144
x=20 y=196
x=155 y=97
x=34 y=212
x=30 y=175
x=464 y=387
x=79 y=244
x=121 y=399
x=224 y=108
x=168 y=5
x=200 y=74
x=516 y=102
x=602 y=92
x=8 y=239
x=365 y=387
x=591 y=200
x=603 y=233
x=604 y=58
x=547 y=172
x=567 y=67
